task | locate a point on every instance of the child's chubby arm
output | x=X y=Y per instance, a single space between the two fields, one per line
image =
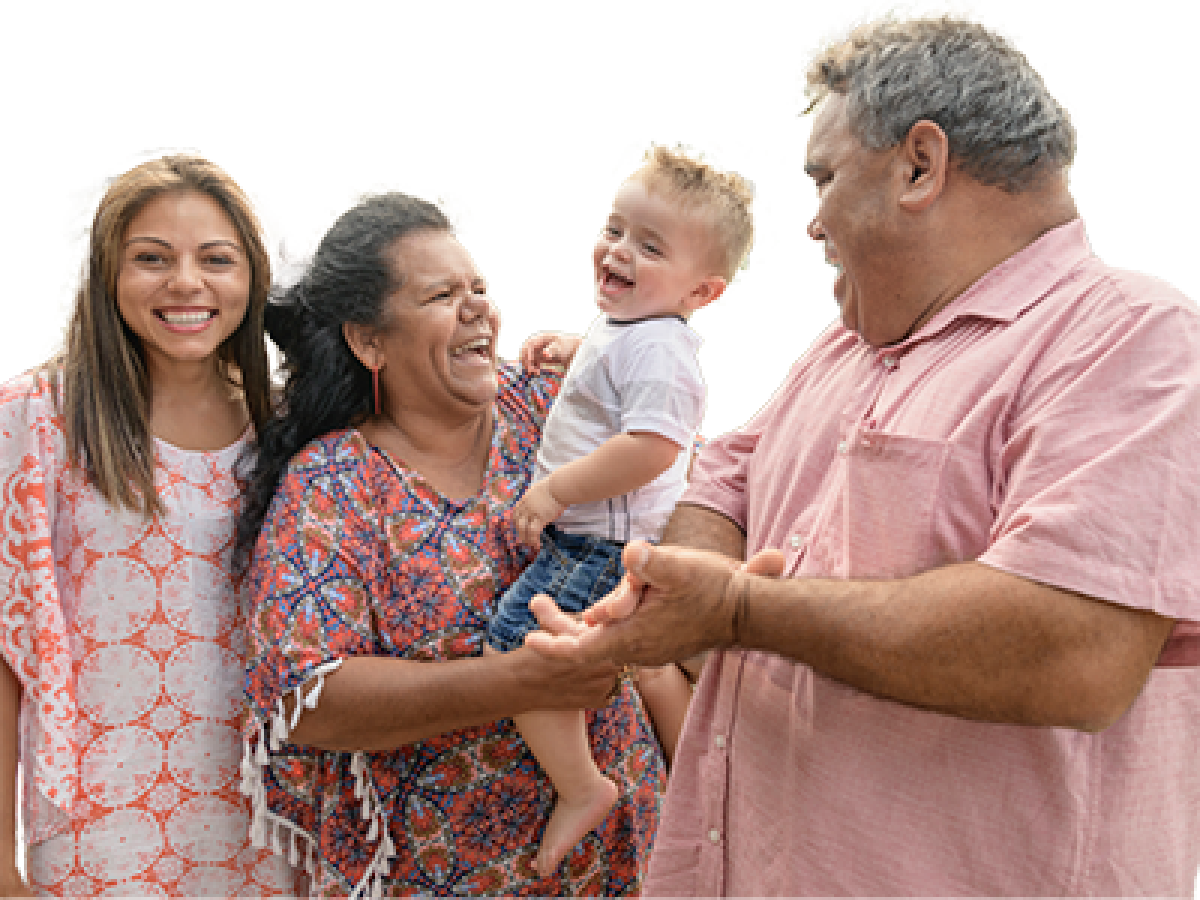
x=549 y=350
x=623 y=463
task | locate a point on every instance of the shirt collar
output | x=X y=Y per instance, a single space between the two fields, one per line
x=612 y=321
x=1005 y=291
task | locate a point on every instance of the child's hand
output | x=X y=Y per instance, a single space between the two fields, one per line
x=549 y=350
x=534 y=511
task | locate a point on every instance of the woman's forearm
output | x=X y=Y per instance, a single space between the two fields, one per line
x=377 y=703
x=10 y=705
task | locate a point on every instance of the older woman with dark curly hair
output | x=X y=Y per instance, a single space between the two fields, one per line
x=380 y=746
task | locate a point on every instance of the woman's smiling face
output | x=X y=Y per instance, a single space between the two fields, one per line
x=184 y=280
x=439 y=345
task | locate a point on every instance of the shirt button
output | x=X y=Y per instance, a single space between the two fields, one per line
x=796 y=541
x=715 y=836
x=719 y=740
x=889 y=362
x=843 y=447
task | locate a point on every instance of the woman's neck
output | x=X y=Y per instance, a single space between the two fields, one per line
x=194 y=407
x=451 y=455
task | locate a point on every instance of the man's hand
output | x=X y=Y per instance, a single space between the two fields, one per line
x=549 y=350
x=686 y=602
x=534 y=511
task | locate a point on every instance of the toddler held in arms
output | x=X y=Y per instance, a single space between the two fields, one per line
x=615 y=451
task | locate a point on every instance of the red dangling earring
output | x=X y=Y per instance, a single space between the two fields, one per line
x=375 y=388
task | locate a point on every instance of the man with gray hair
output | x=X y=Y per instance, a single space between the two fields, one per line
x=962 y=655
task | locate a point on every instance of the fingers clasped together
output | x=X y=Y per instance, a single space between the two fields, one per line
x=673 y=603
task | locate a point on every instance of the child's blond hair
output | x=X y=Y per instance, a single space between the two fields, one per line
x=722 y=197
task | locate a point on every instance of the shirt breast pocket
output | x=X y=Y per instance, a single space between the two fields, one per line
x=909 y=505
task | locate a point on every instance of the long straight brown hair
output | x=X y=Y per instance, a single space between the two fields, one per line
x=99 y=379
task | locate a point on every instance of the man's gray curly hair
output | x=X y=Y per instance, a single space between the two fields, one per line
x=1003 y=126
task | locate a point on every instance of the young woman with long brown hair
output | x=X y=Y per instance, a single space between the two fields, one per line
x=121 y=631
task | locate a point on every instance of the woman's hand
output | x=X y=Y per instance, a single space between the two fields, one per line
x=549 y=350
x=556 y=683
x=12 y=884
x=534 y=511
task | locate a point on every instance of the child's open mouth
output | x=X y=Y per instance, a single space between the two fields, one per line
x=615 y=282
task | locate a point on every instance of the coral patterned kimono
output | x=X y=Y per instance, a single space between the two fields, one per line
x=359 y=555
x=127 y=639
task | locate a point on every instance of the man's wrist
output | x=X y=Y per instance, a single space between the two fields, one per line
x=736 y=591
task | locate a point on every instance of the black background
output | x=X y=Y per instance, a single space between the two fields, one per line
x=528 y=131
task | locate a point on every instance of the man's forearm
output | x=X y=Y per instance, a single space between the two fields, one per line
x=967 y=640
x=701 y=528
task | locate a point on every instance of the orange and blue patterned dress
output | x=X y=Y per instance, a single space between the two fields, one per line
x=360 y=556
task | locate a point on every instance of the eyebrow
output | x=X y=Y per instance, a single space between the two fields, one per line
x=207 y=245
x=453 y=282
x=813 y=169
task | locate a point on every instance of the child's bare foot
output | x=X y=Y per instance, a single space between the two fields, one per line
x=572 y=818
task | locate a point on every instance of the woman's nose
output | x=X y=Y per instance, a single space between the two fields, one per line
x=185 y=277
x=476 y=306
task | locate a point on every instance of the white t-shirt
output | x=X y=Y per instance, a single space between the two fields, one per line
x=627 y=376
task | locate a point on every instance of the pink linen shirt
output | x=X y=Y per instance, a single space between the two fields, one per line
x=1047 y=423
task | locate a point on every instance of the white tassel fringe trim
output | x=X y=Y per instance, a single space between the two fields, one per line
x=269 y=829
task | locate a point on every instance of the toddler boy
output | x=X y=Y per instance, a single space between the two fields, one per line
x=617 y=443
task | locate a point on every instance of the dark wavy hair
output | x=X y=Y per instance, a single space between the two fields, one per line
x=326 y=387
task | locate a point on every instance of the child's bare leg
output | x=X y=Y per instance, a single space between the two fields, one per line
x=558 y=738
x=666 y=692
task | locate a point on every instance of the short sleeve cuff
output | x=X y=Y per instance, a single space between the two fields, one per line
x=712 y=496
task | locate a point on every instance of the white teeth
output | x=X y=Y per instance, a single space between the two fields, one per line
x=480 y=344
x=186 y=318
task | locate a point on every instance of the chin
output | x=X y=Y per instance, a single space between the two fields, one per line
x=485 y=392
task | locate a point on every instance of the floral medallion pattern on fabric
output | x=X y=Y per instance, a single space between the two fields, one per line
x=127 y=639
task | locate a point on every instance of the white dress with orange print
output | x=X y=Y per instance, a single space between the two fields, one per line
x=127 y=638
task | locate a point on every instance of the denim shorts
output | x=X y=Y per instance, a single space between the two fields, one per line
x=575 y=569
